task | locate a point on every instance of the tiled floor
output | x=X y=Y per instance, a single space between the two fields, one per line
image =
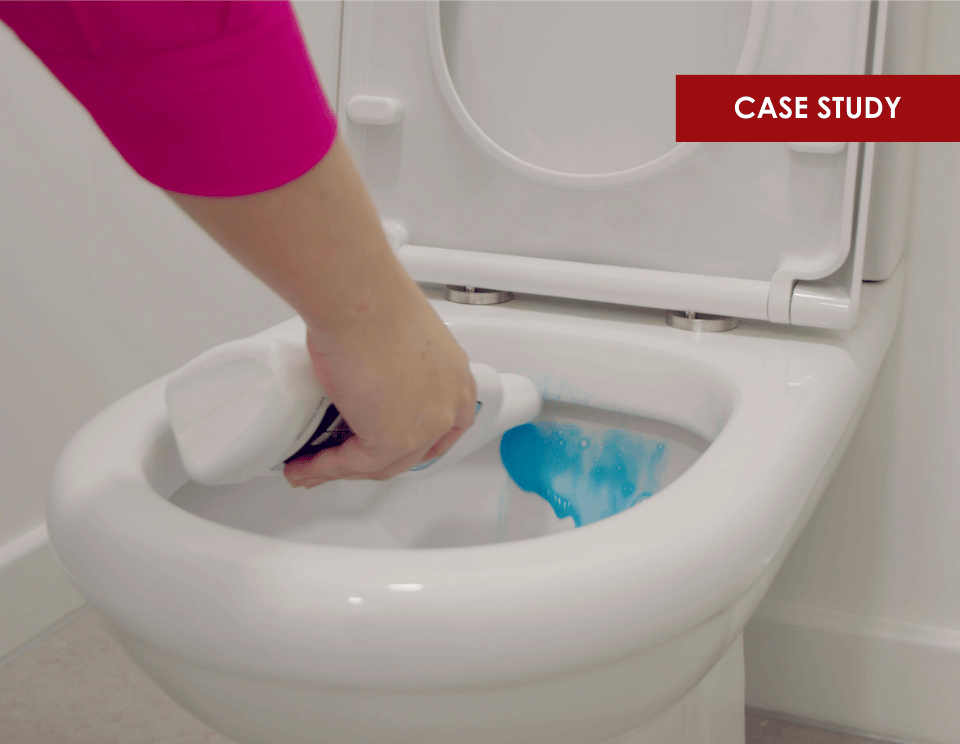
x=75 y=686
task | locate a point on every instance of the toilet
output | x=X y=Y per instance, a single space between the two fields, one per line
x=706 y=302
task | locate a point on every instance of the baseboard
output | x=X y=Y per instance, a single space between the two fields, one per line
x=887 y=678
x=34 y=592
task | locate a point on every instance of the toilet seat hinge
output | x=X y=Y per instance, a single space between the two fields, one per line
x=688 y=320
x=476 y=295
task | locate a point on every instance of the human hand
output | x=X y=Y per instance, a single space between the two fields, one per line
x=378 y=349
x=402 y=383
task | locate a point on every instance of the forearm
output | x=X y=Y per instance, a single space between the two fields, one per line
x=317 y=242
x=219 y=100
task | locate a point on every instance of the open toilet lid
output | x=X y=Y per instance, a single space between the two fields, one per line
x=529 y=147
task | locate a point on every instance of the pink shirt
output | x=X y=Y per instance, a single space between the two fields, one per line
x=203 y=98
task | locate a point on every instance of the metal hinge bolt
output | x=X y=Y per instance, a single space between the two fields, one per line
x=476 y=295
x=688 y=320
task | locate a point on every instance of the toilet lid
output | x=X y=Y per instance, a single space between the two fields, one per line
x=529 y=146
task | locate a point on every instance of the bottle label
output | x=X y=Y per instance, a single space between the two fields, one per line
x=332 y=431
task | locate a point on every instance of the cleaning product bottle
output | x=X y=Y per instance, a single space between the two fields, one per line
x=245 y=408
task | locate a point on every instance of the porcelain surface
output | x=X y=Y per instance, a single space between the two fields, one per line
x=243 y=607
x=771 y=408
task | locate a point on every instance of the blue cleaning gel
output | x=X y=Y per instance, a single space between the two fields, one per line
x=582 y=476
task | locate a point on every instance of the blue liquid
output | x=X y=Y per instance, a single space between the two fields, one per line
x=582 y=476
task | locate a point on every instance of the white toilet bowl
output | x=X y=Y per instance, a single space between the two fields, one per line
x=278 y=616
x=460 y=608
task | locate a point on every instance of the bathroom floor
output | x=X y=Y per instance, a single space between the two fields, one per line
x=74 y=685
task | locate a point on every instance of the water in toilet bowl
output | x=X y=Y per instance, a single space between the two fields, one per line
x=474 y=503
x=585 y=473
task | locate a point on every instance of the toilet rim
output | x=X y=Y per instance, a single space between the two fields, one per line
x=246 y=601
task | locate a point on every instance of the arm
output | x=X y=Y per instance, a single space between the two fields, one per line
x=220 y=100
x=379 y=350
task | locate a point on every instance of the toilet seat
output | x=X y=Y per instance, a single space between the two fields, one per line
x=577 y=182
x=770 y=231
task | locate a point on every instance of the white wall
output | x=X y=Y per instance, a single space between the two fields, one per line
x=862 y=626
x=104 y=286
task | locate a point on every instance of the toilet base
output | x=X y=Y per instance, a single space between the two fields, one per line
x=711 y=713
x=261 y=711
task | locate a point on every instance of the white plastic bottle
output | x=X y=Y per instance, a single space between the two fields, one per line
x=243 y=409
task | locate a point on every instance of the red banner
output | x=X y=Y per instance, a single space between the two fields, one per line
x=818 y=108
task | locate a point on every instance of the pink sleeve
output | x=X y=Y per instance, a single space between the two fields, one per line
x=201 y=98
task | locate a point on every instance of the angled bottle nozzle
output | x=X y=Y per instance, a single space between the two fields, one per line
x=504 y=400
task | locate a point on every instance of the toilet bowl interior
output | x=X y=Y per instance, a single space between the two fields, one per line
x=620 y=423
x=625 y=460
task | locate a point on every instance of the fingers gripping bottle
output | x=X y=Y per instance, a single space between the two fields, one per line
x=245 y=408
